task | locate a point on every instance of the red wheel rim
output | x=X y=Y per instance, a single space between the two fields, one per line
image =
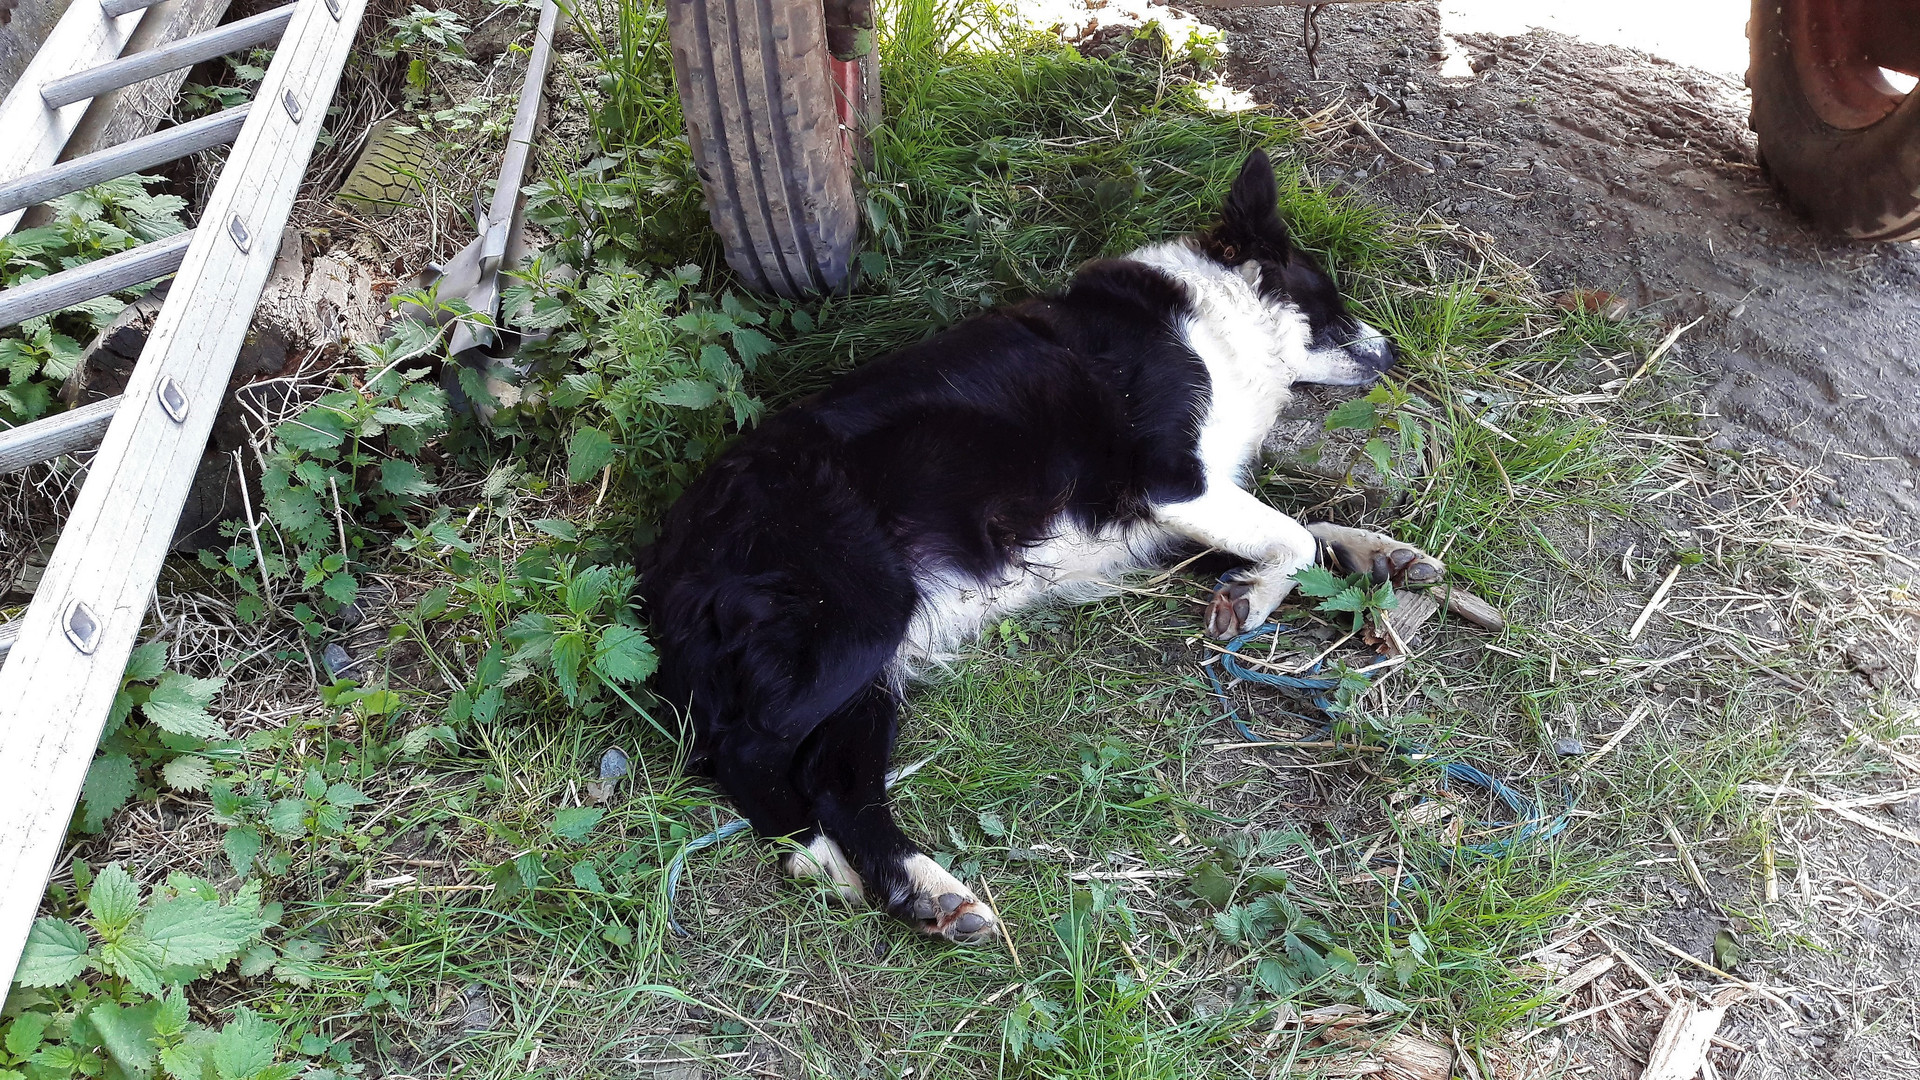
x=850 y=93
x=1842 y=50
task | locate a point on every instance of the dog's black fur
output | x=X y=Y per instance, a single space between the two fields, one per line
x=784 y=580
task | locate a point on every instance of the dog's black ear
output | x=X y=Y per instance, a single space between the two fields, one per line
x=1252 y=208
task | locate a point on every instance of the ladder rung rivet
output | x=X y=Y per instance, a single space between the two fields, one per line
x=333 y=9
x=173 y=400
x=82 y=627
x=237 y=229
x=292 y=105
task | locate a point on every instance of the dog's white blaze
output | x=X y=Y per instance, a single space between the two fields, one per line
x=1254 y=352
x=824 y=859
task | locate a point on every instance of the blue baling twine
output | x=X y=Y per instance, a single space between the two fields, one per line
x=679 y=863
x=1530 y=821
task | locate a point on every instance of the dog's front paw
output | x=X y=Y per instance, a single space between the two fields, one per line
x=1244 y=599
x=1379 y=556
x=943 y=907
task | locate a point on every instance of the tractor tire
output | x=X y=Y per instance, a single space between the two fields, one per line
x=1838 y=138
x=765 y=125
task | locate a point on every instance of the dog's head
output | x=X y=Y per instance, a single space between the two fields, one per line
x=1252 y=240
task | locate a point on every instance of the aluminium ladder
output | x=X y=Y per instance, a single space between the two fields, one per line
x=65 y=656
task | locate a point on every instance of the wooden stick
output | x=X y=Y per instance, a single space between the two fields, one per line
x=1682 y=954
x=1653 y=605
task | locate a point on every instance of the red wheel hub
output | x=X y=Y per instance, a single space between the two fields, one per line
x=1843 y=50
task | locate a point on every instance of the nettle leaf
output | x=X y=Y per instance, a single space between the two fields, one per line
x=585 y=589
x=258 y=960
x=586 y=877
x=751 y=345
x=189 y=772
x=314 y=430
x=288 y=818
x=341 y=588
x=179 y=703
x=568 y=653
x=1353 y=413
x=245 y=1047
x=687 y=393
x=201 y=933
x=23 y=1035
x=55 y=955
x=558 y=528
x=624 y=655
x=127 y=1034
x=111 y=781
x=146 y=662
x=241 y=845
x=114 y=900
x=1212 y=883
x=401 y=477
x=575 y=822
x=1318 y=581
x=346 y=796
x=171 y=1018
x=1378 y=453
x=589 y=451
x=136 y=960
x=1352 y=598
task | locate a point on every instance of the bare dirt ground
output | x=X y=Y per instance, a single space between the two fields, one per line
x=1604 y=168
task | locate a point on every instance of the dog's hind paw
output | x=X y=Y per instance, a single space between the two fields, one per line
x=1379 y=556
x=943 y=907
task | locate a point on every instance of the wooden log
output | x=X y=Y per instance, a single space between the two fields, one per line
x=61 y=678
x=84 y=37
x=50 y=436
x=127 y=157
x=114 y=74
x=123 y=115
x=151 y=260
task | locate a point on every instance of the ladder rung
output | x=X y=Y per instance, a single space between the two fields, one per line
x=50 y=436
x=98 y=278
x=113 y=9
x=114 y=74
x=128 y=157
x=9 y=633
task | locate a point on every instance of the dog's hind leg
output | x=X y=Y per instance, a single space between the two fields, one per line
x=842 y=769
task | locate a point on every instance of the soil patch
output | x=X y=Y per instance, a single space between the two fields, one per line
x=1602 y=168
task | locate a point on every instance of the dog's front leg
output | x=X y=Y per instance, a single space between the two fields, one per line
x=1234 y=521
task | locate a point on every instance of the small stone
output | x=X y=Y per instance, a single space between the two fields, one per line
x=614 y=764
x=1475 y=163
x=1445 y=161
x=1832 y=498
x=1569 y=747
x=337 y=660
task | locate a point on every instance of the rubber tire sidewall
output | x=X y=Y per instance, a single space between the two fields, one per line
x=1864 y=183
x=759 y=106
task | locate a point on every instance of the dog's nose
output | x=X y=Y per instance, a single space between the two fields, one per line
x=1373 y=350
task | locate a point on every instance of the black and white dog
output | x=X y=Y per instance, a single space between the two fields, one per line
x=1041 y=450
